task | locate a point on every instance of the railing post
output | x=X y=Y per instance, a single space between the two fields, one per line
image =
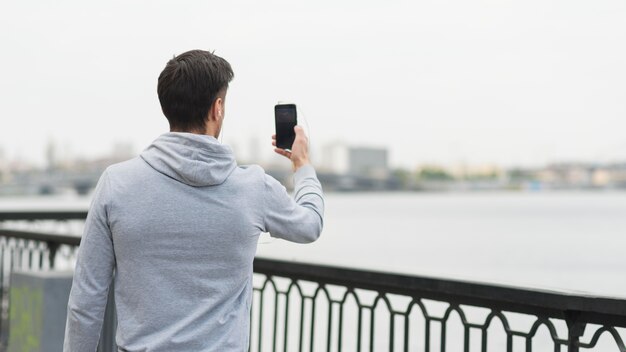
x=52 y=252
x=575 y=329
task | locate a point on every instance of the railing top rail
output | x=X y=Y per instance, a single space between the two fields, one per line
x=589 y=308
x=41 y=236
x=6 y=215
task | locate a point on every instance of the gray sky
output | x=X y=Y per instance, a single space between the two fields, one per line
x=477 y=81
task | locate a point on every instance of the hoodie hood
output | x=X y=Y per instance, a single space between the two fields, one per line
x=194 y=159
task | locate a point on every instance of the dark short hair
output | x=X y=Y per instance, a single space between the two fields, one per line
x=188 y=86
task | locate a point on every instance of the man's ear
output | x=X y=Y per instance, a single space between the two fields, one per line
x=217 y=110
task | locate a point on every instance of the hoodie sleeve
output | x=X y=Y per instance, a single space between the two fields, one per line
x=92 y=277
x=299 y=219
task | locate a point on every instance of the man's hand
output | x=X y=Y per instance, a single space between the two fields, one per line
x=299 y=154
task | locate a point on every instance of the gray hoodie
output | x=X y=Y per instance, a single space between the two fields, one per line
x=179 y=225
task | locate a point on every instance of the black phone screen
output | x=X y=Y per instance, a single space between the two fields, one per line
x=286 y=120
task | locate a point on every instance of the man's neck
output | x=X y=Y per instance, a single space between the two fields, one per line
x=210 y=130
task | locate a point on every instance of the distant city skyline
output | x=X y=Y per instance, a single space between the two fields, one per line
x=344 y=168
x=479 y=82
x=335 y=157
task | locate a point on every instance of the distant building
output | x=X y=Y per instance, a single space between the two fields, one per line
x=476 y=172
x=52 y=157
x=601 y=177
x=355 y=161
x=4 y=167
x=610 y=175
x=366 y=161
x=335 y=158
x=568 y=174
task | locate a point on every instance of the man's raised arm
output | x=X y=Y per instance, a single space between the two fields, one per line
x=301 y=218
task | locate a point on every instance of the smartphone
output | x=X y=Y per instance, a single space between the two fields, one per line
x=286 y=120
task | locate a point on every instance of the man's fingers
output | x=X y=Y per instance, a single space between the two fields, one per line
x=300 y=135
x=282 y=152
x=274 y=143
x=299 y=132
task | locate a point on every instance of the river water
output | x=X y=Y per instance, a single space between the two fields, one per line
x=565 y=240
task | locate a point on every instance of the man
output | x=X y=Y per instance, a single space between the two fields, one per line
x=179 y=227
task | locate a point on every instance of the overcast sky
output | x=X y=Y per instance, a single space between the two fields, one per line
x=477 y=81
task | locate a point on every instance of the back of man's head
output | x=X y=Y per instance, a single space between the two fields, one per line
x=188 y=86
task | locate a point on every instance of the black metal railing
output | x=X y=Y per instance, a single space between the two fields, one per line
x=407 y=304
x=306 y=307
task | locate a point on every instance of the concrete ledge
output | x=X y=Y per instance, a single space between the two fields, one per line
x=38 y=310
